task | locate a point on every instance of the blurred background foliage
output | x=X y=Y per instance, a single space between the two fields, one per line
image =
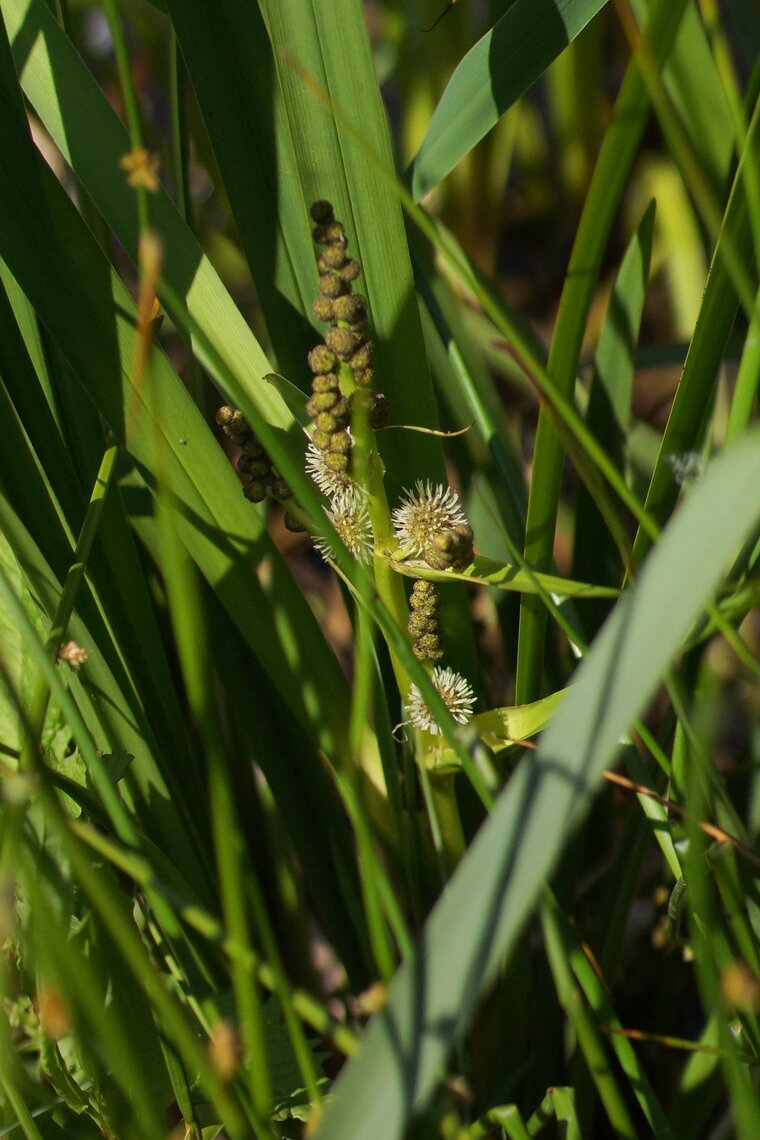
x=335 y=880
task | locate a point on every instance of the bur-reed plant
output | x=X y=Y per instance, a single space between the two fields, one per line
x=379 y=506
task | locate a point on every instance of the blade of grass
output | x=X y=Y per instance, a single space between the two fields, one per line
x=330 y=43
x=617 y=153
x=205 y=492
x=572 y=967
x=75 y=112
x=492 y=76
x=503 y=576
x=609 y=406
x=694 y=83
x=194 y=652
x=224 y=534
x=233 y=74
x=115 y=605
x=712 y=957
x=687 y=416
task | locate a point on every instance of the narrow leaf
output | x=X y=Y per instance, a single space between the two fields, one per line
x=493 y=74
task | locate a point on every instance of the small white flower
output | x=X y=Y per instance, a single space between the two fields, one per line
x=329 y=482
x=350 y=517
x=687 y=466
x=425 y=513
x=455 y=692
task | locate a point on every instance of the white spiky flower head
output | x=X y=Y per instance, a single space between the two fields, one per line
x=455 y=692
x=330 y=482
x=349 y=515
x=424 y=513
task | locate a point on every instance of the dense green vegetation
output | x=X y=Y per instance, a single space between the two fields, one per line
x=448 y=831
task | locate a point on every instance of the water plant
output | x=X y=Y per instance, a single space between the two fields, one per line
x=379 y=509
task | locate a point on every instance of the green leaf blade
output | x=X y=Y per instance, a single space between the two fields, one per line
x=495 y=73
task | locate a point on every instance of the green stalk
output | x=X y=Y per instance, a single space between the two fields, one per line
x=393 y=630
x=131 y=105
x=747 y=379
x=195 y=655
x=441 y=801
x=180 y=140
x=49 y=682
x=571 y=966
x=589 y=1038
x=442 y=793
x=9 y=1088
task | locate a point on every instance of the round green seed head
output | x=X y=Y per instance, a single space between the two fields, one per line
x=451 y=549
x=337 y=461
x=321 y=439
x=419 y=624
x=292 y=523
x=321 y=212
x=326 y=421
x=331 y=285
x=252 y=448
x=321 y=402
x=259 y=468
x=429 y=609
x=334 y=257
x=326 y=382
x=429 y=647
x=341 y=340
x=236 y=427
x=256 y=491
x=350 y=271
x=423 y=589
x=438 y=559
x=321 y=359
x=224 y=415
x=361 y=358
x=425 y=600
x=351 y=307
x=280 y=488
x=342 y=411
x=340 y=441
x=335 y=233
x=363 y=377
x=322 y=308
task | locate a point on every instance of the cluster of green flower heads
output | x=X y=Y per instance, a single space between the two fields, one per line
x=425 y=627
x=345 y=346
x=254 y=464
x=430 y=522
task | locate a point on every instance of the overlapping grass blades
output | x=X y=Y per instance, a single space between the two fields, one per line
x=487 y=903
x=491 y=77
